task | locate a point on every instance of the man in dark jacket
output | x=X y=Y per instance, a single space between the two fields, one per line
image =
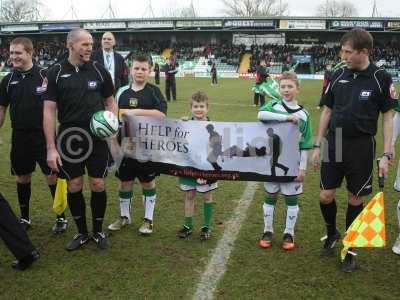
x=261 y=76
x=113 y=61
x=170 y=70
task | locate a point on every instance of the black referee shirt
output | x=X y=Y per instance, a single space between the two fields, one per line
x=78 y=91
x=356 y=98
x=23 y=91
x=150 y=97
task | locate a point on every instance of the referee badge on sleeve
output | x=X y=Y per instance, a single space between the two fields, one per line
x=365 y=95
x=92 y=85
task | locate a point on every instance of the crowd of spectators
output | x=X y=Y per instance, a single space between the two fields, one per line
x=230 y=54
x=47 y=51
x=387 y=55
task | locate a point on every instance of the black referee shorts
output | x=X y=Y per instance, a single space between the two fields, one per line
x=356 y=165
x=131 y=169
x=28 y=147
x=79 y=151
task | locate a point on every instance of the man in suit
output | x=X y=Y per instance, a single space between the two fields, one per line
x=112 y=61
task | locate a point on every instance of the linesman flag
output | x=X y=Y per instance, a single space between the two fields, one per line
x=368 y=229
x=60 y=198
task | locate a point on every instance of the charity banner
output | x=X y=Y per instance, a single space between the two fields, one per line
x=214 y=150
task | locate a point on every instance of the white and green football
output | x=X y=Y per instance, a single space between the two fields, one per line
x=104 y=124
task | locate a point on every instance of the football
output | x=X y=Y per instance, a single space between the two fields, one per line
x=104 y=124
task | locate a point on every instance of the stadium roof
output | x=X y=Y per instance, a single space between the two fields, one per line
x=281 y=23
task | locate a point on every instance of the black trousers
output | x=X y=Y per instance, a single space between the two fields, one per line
x=11 y=232
x=157 y=79
x=170 y=86
x=259 y=98
x=214 y=80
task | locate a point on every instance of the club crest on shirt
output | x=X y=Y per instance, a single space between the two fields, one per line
x=365 y=95
x=392 y=91
x=133 y=102
x=92 y=85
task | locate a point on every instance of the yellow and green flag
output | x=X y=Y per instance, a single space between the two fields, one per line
x=368 y=229
x=60 y=198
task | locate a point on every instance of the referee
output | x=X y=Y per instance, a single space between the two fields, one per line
x=22 y=90
x=77 y=88
x=353 y=100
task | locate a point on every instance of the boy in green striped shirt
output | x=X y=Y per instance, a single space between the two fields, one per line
x=286 y=110
x=199 y=108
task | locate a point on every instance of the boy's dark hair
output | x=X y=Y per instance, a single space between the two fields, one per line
x=141 y=58
x=199 y=97
x=359 y=38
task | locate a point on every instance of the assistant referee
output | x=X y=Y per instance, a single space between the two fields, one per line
x=77 y=88
x=22 y=91
x=352 y=102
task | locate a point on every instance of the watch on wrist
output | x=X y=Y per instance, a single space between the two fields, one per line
x=388 y=155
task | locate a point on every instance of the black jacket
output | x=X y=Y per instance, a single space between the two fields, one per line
x=120 y=69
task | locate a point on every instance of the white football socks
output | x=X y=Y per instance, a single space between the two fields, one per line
x=149 y=202
x=125 y=207
x=268 y=217
x=291 y=218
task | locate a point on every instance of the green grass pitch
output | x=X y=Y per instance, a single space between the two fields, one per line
x=163 y=267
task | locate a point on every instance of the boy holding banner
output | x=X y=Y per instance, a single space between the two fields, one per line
x=199 y=108
x=286 y=110
x=140 y=98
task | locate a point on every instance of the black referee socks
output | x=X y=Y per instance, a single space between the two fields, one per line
x=76 y=204
x=98 y=204
x=24 y=195
x=53 y=188
x=352 y=213
x=329 y=213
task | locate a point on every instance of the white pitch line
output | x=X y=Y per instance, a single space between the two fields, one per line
x=216 y=267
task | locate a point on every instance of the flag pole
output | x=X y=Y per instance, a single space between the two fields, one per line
x=381 y=179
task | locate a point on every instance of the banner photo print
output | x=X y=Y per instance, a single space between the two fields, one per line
x=214 y=150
